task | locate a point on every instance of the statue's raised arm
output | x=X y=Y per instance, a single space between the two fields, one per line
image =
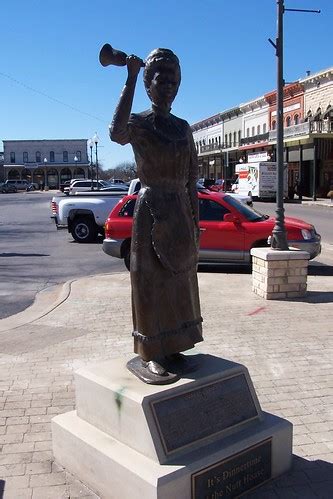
x=118 y=127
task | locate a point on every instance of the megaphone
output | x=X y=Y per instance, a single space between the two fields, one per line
x=108 y=55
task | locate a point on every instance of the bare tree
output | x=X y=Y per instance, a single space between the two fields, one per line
x=125 y=171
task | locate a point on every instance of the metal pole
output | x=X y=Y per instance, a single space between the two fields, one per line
x=279 y=238
x=96 y=166
x=226 y=165
x=314 y=176
x=91 y=169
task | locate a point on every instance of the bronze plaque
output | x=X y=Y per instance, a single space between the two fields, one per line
x=202 y=412
x=236 y=475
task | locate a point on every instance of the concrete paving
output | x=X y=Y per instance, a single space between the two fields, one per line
x=286 y=345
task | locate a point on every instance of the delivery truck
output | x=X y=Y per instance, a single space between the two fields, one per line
x=259 y=180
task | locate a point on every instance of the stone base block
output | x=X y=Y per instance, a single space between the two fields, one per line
x=278 y=275
x=114 y=470
x=157 y=421
x=204 y=436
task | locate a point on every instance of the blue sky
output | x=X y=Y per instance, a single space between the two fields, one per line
x=50 y=53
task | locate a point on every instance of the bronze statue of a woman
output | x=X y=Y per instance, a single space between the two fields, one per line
x=164 y=250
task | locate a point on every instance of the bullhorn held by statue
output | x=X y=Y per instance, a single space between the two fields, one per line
x=108 y=55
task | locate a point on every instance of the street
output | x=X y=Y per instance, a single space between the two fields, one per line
x=320 y=217
x=34 y=255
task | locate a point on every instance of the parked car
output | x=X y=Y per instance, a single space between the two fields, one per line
x=219 y=185
x=117 y=181
x=7 y=188
x=206 y=182
x=115 y=188
x=84 y=185
x=240 y=197
x=64 y=185
x=135 y=186
x=229 y=229
x=21 y=185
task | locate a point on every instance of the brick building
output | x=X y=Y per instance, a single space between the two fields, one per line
x=250 y=128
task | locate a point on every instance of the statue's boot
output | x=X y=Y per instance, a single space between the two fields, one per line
x=154 y=372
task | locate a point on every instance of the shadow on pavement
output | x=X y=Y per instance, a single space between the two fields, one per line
x=224 y=268
x=320 y=269
x=316 y=297
x=306 y=479
x=5 y=255
x=315 y=269
x=99 y=240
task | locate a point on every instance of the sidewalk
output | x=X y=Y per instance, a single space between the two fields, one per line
x=286 y=345
x=322 y=202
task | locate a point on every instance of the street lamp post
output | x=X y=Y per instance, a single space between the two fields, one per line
x=90 y=145
x=96 y=140
x=45 y=174
x=279 y=237
x=75 y=163
x=225 y=170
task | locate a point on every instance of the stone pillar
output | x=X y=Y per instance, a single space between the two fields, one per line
x=278 y=275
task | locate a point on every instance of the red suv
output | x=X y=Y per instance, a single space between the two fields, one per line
x=229 y=229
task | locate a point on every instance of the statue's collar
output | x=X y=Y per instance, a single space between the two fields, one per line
x=158 y=111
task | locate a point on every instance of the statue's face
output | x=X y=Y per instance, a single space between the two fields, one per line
x=164 y=86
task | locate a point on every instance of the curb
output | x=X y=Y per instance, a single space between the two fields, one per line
x=46 y=300
x=321 y=204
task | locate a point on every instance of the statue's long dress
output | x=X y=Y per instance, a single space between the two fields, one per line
x=164 y=251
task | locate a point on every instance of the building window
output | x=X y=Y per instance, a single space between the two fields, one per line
x=239 y=137
x=248 y=132
x=230 y=140
x=273 y=125
x=235 y=138
x=51 y=156
x=296 y=119
x=288 y=121
x=25 y=157
x=12 y=157
x=38 y=157
x=264 y=128
x=252 y=132
x=65 y=156
x=258 y=130
x=78 y=155
x=226 y=140
x=219 y=139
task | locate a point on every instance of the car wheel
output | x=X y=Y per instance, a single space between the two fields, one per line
x=127 y=258
x=84 y=230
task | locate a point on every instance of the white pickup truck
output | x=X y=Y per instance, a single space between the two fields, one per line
x=84 y=214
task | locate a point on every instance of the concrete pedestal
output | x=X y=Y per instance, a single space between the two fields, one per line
x=278 y=275
x=204 y=436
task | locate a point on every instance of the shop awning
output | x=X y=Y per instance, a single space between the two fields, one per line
x=253 y=146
